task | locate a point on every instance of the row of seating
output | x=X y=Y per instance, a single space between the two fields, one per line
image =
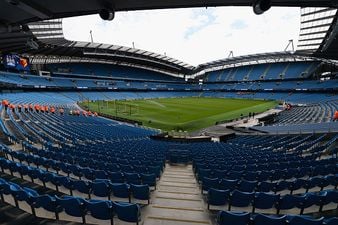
x=245 y=218
x=270 y=175
x=72 y=206
x=99 y=187
x=267 y=186
x=84 y=172
x=270 y=202
x=97 y=167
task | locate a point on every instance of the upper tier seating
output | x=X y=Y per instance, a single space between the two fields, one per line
x=271 y=71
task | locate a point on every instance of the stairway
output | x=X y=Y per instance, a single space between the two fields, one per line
x=177 y=200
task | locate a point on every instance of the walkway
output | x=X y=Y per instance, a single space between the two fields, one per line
x=177 y=200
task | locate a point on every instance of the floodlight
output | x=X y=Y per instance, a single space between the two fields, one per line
x=260 y=6
x=107 y=14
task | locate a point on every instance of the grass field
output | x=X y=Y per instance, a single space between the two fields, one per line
x=186 y=114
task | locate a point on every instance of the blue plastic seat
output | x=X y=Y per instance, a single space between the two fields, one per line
x=128 y=212
x=287 y=202
x=101 y=188
x=116 y=177
x=203 y=173
x=83 y=187
x=120 y=190
x=100 y=209
x=208 y=183
x=241 y=199
x=226 y=184
x=331 y=221
x=312 y=199
x=296 y=184
x=73 y=206
x=332 y=180
x=88 y=173
x=46 y=202
x=261 y=219
x=25 y=194
x=217 y=197
x=233 y=218
x=132 y=178
x=100 y=174
x=67 y=182
x=149 y=179
x=247 y=186
x=266 y=186
x=141 y=192
x=305 y=220
x=265 y=201
x=281 y=186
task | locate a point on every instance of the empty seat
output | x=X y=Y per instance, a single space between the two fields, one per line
x=217 y=197
x=235 y=218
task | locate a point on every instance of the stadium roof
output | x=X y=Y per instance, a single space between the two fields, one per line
x=272 y=57
x=44 y=40
x=23 y=11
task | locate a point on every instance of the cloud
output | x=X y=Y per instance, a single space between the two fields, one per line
x=239 y=25
x=192 y=35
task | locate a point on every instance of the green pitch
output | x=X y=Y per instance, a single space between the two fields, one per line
x=186 y=114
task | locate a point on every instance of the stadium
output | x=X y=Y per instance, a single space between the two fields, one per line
x=94 y=133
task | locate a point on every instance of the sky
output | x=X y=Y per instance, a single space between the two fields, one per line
x=194 y=35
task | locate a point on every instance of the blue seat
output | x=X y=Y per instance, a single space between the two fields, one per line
x=287 y=202
x=100 y=174
x=141 y=192
x=241 y=199
x=155 y=170
x=233 y=218
x=25 y=194
x=100 y=209
x=226 y=184
x=128 y=212
x=232 y=175
x=203 y=173
x=65 y=168
x=331 y=196
x=120 y=190
x=296 y=184
x=305 y=220
x=101 y=188
x=331 y=221
x=83 y=187
x=116 y=177
x=46 y=202
x=132 y=178
x=88 y=173
x=264 y=201
x=76 y=170
x=220 y=174
x=73 y=206
x=312 y=199
x=217 y=197
x=149 y=179
x=208 y=183
x=281 y=186
x=251 y=176
x=332 y=180
x=312 y=182
x=266 y=186
x=67 y=182
x=261 y=219
x=247 y=186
